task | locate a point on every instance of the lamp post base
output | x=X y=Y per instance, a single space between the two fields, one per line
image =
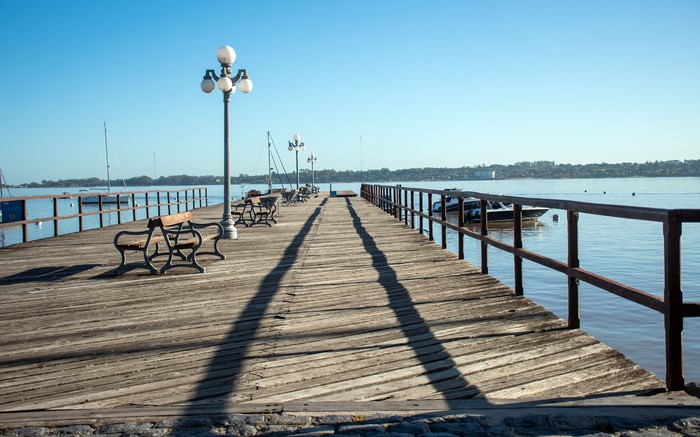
x=230 y=231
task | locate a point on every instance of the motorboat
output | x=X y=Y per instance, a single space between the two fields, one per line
x=502 y=212
x=452 y=202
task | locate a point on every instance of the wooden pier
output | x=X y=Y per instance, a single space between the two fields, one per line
x=337 y=303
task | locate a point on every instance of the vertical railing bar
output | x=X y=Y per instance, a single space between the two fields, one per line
x=484 y=232
x=80 y=213
x=518 y=244
x=99 y=203
x=431 y=237
x=25 y=228
x=133 y=204
x=420 y=208
x=148 y=213
x=404 y=207
x=673 y=298
x=55 y=217
x=460 y=222
x=443 y=217
x=573 y=263
x=413 y=207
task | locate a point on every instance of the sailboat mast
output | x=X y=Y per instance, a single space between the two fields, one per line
x=107 y=153
x=269 y=165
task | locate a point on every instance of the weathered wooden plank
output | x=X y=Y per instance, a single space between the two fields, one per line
x=338 y=301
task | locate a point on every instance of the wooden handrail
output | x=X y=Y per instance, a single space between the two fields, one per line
x=671 y=305
x=199 y=195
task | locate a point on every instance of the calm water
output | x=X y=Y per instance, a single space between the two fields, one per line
x=627 y=251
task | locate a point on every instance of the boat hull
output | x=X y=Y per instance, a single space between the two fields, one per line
x=106 y=199
x=504 y=214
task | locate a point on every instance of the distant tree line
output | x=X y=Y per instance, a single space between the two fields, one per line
x=519 y=170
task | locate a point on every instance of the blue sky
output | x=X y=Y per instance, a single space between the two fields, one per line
x=440 y=84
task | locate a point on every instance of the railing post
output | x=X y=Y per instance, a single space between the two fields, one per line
x=484 y=245
x=460 y=222
x=397 y=203
x=148 y=213
x=25 y=228
x=177 y=198
x=673 y=299
x=187 y=204
x=413 y=207
x=431 y=237
x=133 y=204
x=80 y=213
x=169 y=203
x=443 y=217
x=420 y=208
x=102 y=219
x=404 y=207
x=55 y=214
x=574 y=263
x=518 y=244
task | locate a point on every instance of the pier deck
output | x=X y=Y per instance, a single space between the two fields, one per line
x=337 y=303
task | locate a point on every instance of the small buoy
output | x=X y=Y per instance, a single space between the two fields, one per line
x=633 y=193
x=38 y=224
x=585 y=191
x=605 y=192
x=555 y=217
x=72 y=205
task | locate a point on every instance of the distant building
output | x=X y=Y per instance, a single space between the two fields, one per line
x=485 y=174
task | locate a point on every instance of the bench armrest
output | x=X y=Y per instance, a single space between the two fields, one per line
x=220 y=229
x=131 y=233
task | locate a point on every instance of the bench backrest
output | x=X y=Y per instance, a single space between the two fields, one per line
x=170 y=220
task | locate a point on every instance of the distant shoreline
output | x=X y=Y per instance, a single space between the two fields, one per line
x=519 y=170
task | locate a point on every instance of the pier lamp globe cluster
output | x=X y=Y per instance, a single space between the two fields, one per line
x=313 y=159
x=227 y=84
x=297 y=146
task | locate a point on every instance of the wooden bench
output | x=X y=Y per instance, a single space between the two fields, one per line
x=260 y=212
x=179 y=233
x=239 y=209
x=271 y=202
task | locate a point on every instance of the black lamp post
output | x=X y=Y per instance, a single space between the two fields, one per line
x=297 y=146
x=227 y=84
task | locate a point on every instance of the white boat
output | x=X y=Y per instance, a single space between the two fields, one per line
x=106 y=198
x=93 y=198
x=502 y=212
x=452 y=202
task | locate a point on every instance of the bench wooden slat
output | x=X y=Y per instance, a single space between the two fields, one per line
x=171 y=220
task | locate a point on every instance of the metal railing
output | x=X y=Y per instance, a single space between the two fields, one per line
x=400 y=202
x=163 y=201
